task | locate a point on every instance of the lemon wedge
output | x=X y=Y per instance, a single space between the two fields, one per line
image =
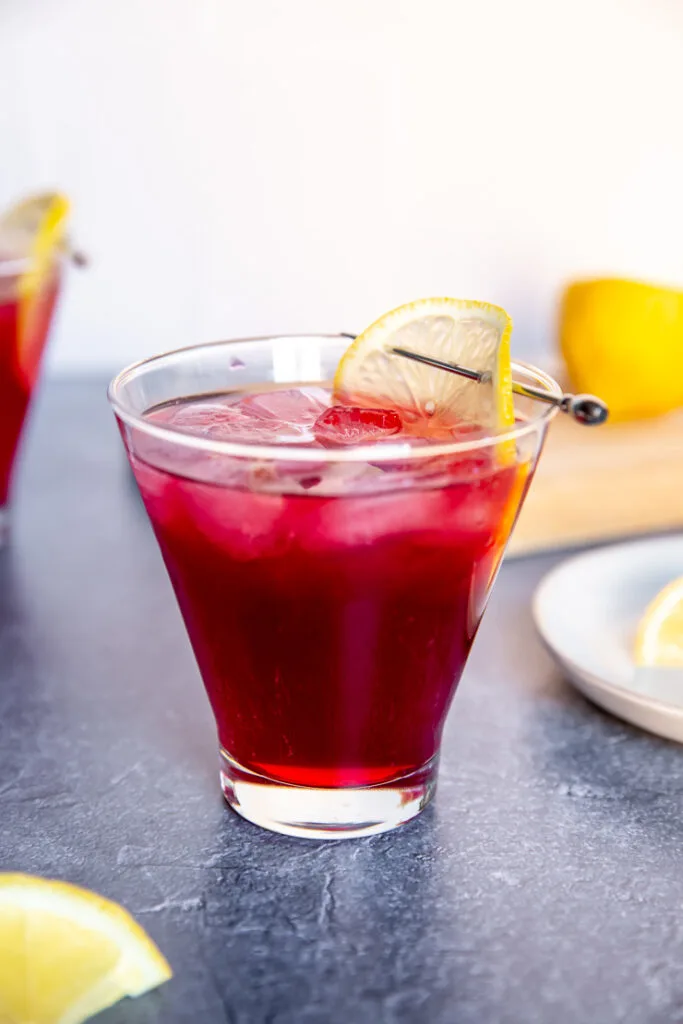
x=659 y=641
x=34 y=232
x=67 y=953
x=474 y=334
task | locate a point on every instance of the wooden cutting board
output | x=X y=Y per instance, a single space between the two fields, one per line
x=601 y=483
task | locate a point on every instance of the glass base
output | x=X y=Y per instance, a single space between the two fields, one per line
x=326 y=813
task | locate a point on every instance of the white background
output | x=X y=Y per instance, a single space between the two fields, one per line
x=258 y=166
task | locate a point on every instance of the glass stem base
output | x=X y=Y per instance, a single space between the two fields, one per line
x=326 y=813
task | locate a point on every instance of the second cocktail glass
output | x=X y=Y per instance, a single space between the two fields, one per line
x=331 y=594
x=24 y=327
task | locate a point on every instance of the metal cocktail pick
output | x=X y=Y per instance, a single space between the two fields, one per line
x=585 y=409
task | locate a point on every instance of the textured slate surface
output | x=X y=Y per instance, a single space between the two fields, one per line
x=545 y=884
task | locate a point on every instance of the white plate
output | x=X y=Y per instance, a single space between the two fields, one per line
x=587 y=610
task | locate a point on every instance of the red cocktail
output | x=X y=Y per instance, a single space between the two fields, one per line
x=22 y=339
x=32 y=247
x=332 y=569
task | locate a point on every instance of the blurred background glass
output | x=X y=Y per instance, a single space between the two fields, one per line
x=33 y=249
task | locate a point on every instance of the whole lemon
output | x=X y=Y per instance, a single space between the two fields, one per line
x=623 y=340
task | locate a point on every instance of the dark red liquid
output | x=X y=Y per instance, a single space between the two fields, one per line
x=330 y=631
x=19 y=364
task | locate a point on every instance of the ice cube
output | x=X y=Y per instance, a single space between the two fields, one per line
x=337 y=479
x=237 y=423
x=375 y=517
x=342 y=425
x=294 y=406
x=240 y=428
x=240 y=523
x=192 y=417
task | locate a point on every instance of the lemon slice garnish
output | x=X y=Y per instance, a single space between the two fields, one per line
x=34 y=233
x=474 y=334
x=659 y=640
x=66 y=953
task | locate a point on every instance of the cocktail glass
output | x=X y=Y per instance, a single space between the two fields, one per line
x=331 y=595
x=24 y=327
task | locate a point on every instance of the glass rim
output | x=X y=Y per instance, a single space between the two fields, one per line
x=385 y=451
x=13 y=266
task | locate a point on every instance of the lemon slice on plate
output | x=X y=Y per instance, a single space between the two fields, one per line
x=34 y=233
x=659 y=641
x=474 y=334
x=66 y=953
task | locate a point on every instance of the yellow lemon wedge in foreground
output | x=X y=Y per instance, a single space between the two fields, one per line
x=659 y=641
x=66 y=953
x=474 y=334
x=34 y=232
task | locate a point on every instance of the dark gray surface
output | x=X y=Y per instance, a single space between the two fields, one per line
x=545 y=884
